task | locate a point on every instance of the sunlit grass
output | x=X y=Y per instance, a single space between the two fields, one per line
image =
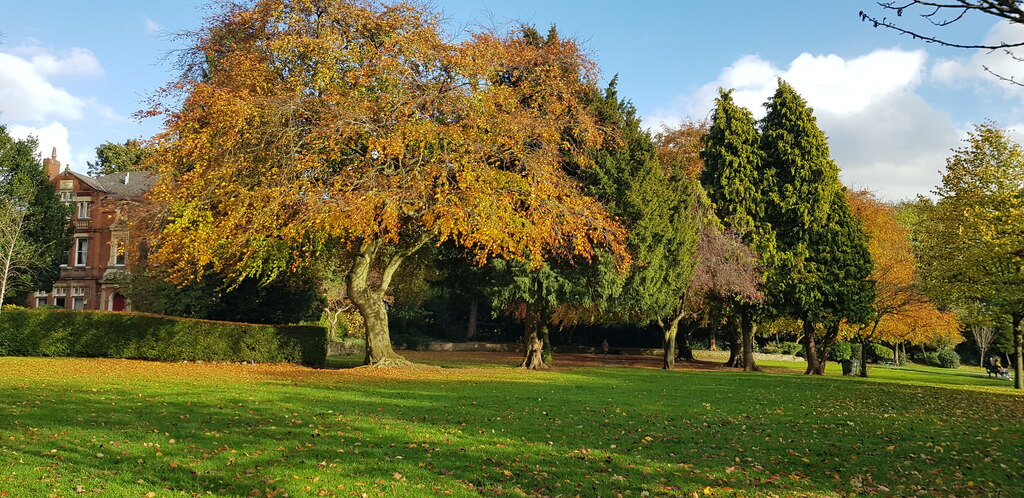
x=128 y=428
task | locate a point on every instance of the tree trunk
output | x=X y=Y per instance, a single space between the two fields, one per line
x=711 y=341
x=668 y=343
x=812 y=350
x=895 y=353
x=1018 y=353
x=863 y=357
x=684 y=351
x=545 y=336
x=824 y=346
x=474 y=306
x=981 y=361
x=533 y=356
x=735 y=347
x=748 y=328
x=369 y=300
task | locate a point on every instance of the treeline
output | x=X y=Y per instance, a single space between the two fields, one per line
x=401 y=174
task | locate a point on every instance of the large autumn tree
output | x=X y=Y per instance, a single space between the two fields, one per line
x=303 y=130
x=821 y=263
x=900 y=312
x=972 y=240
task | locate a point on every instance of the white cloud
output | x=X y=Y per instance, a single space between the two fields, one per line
x=896 y=146
x=827 y=82
x=971 y=70
x=52 y=135
x=883 y=136
x=152 y=26
x=26 y=95
x=77 y=62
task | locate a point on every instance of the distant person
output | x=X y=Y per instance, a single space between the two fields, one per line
x=604 y=347
x=1003 y=371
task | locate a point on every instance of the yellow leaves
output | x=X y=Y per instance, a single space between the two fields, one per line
x=316 y=126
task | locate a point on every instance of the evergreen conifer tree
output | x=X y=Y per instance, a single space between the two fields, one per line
x=821 y=259
x=739 y=186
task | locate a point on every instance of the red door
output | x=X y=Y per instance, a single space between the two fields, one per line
x=118 y=304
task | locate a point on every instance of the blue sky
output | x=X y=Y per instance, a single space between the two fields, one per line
x=73 y=72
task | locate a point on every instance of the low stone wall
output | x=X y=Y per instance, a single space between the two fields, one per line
x=337 y=348
x=501 y=347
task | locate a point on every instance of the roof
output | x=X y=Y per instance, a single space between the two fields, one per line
x=124 y=184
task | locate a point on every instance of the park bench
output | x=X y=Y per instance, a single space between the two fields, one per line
x=991 y=369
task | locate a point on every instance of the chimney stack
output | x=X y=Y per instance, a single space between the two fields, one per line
x=52 y=165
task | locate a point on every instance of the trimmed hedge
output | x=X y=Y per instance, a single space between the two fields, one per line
x=156 y=337
x=947 y=358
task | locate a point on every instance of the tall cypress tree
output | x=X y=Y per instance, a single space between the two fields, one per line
x=738 y=185
x=656 y=205
x=822 y=259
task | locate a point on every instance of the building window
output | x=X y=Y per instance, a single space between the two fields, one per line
x=58 y=296
x=119 y=258
x=81 y=251
x=40 y=302
x=84 y=209
x=67 y=196
x=78 y=298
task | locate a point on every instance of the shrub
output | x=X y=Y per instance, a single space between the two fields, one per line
x=840 y=351
x=791 y=348
x=931 y=358
x=155 y=337
x=878 y=352
x=771 y=349
x=947 y=358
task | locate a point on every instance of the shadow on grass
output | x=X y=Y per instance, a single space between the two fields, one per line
x=588 y=432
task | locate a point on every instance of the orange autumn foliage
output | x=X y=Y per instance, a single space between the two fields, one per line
x=679 y=147
x=901 y=313
x=307 y=127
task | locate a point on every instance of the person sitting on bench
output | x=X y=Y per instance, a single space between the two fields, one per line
x=996 y=367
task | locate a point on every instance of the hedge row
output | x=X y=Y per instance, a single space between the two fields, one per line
x=155 y=337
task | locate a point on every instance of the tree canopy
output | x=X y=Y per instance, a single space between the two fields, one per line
x=972 y=238
x=34 y=225
x=114 y=157
x=305 y=131
x=821 y=263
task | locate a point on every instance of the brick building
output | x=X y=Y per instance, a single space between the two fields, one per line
x=97 y=257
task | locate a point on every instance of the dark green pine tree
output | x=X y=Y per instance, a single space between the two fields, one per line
x=848 y=294
x=656 y=209
x=656 y=206
x=739 y=187
x=821 y=260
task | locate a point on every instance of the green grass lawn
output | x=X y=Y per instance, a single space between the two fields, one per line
x=131 y=428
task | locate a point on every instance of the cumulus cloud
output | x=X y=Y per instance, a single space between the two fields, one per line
x=883 y=136
x=51 y=135
x=971 y=70
x=828 y=82
x=27 y=92
x=896 y=146
x=26 y=95
x=32 y=101
x=76 y=62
